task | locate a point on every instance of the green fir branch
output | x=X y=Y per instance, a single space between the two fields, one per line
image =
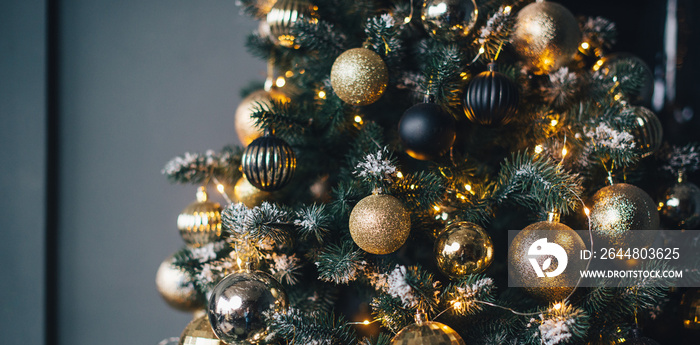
x=465 y=295
x=340 y=264
x=298 y=327
x=313 y=221
x=419 y=191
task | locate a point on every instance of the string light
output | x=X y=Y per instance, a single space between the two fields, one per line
x=366 y=322
x=554 y=123
x=289 y=74
x=280 y=82
x=358 y=119
x=507 y=9
x=564 y=151
x=399 y=174
x=322 y=94
x=585 y=45
x=587 y=211
x=468 y=187
x=220 y=188
x=482 y=50
x=557 y=306
x=538 y=149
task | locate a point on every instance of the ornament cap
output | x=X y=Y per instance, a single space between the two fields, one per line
x=202 y=194
x=492 y=67
x=553 y=216
x=420 y=317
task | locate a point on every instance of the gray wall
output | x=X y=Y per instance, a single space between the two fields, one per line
x=22 y=170
x=141 y=81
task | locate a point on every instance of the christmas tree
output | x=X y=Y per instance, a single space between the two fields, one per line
x=387 y=155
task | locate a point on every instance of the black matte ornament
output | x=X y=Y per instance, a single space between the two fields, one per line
x=268 y=163
x=426 y=131
x=491 y=98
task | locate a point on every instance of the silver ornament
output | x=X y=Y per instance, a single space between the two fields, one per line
x=679 y=207
x=239 y=303
x=449 y=19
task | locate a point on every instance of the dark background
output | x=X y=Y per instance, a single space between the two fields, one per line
x=95 y=97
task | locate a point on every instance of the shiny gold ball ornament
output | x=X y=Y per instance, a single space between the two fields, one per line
x=200 y=222
x=248 y=194
x=244 y=124
x=379 y=224
x=177 y=288
x=268 y=163
x=449 y=19
x=425 y=332
x=284 y=15
x=359 y=76
x=546 y=36
x=622 y=207
x=679 y=206
x=199 y=332
x=524 y=247
x=647 y=131
x=239 y=305
x=463 y=248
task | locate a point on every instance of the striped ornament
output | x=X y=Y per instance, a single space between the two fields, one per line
x=491 y=98
x=283 y=15
x=647 y=131
x=268 y=163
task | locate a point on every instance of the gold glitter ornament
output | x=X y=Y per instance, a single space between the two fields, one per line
x=200 y=222
x=546 y=36
x=379 y=224
x=647 y=131
x=248 y=194
x=244 y=124
x=284 y=15
x=177 y=288
x=425 y=332
x=449 y=19
x=679 y=206
x=550 y=289
x=463 y=248
x=199 y=332
x=240 y=305
x=622 y=207
x=359 y=76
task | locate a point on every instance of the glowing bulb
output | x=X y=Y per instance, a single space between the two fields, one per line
x=557 y=306
x=407 y=20
x=366 y=322
x=585 y=45
x=587 y=211
x=220 y=187
x=280 y=81
x=457 y=304
x=436 y=208
x=553 y=123
x=673 y=202
x=564 y=151
x=482 y=50
x=507 y=9
x=399 y=174
x=468 y=187
x=538 y=149
x=322 y=94
x=358 y=119
x=289 y=74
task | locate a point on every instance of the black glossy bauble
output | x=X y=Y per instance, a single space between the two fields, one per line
x=426 y=131
x=491 y=98
x=268 y=163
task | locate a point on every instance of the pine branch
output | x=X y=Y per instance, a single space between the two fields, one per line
x=382 y=38
x=312 y=328
x=462 y=296
x=340 y=264
x=377 y=169
x=538 y=183
x=313 y=221
x=382 y=339
x=269 y=222
x=316 y=297
x=446 y=74
x=419 y=191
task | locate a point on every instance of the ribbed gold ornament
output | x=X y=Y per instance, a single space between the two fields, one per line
x=244 y=124
x=283 y=17
x=546 y=36
x=550 y=289
x=248 y=194
x=177 y=288
x=622 y=207
x=463 y=248
x=647 y=131
x=200 y=222
x=199 y=332
x=379 y=224
x=359 y=76
x=449 y=19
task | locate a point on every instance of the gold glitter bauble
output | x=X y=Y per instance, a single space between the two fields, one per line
x=359 y=76
x=240 y=305
x=177 y=288
x=463 y=248
x=248 y=194
x=244 y=124
x=449 y=19
x=379 y=224
x=199 y=332
x=647 y=131
x=622 y=207
x=283 y=17
x=549 y=289
x=427 y=333
x=679 y=207
x=200 y=222
x=546 y=36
